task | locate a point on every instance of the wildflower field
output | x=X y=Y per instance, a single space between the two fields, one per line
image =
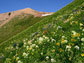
x=58 y=38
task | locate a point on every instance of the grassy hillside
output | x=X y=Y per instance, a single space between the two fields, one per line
x=16 y=25
x=58 y=38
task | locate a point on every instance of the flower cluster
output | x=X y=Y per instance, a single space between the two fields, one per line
x=55 y=44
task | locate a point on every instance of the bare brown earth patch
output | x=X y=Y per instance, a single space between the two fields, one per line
x=6 y=17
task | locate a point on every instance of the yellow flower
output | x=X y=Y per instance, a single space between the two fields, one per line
x=71 y=23
x=73 y=40
x=82 y=54
x=60 y=49
x=76 y=35
x=30 y=48
x=81 y=24
x=71 y=44
x=53 y=50
x=64 y=41
x=73 y=35
x=14 y=57
x=78 y=12
x=57 y=44
x=76 y=22
x=17 y=58
x=69 y=58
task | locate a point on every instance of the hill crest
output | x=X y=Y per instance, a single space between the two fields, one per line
x=6 y=17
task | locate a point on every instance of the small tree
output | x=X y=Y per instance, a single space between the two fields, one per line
x=9 y=13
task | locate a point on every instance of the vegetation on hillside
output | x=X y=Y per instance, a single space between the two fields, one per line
x=58 y=38
x=16 y=25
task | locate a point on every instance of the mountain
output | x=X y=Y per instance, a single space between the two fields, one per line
x=6 y=17
x=15 y=22
x=57 y=38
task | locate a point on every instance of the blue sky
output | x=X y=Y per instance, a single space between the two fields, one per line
x=39 y=5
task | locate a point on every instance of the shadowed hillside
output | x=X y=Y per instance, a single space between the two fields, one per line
x=12 y=23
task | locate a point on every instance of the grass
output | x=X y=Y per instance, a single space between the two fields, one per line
x=55 y=39
x=17 y=25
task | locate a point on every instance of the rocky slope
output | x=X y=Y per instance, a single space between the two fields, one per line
x=6 y=17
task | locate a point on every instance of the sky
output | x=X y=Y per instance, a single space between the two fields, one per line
x=39 y=5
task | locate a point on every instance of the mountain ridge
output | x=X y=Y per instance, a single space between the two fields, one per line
x=6 y=17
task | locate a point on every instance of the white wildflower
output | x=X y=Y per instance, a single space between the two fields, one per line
x=16 y=47
x=65 y=41
x=82 y=39
x=81 y=24
x=52 y=60
x=68 y=47
x=27 y=47
x=63 y=36
x=47 y=57
x=41 y=53
x=45 y=37
x=83 y=30
x=82 y=43
x=24 y=43
x=30 y=42
x=17 y=58
x=40 y=39
x=25 y=55
x=24 y=40
x=33 y=45
x=77 y=47
x=37 y=46
x=59 y=27
x=53 y=40
x=19 y=61
x=33 y=50
x=74 y=33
